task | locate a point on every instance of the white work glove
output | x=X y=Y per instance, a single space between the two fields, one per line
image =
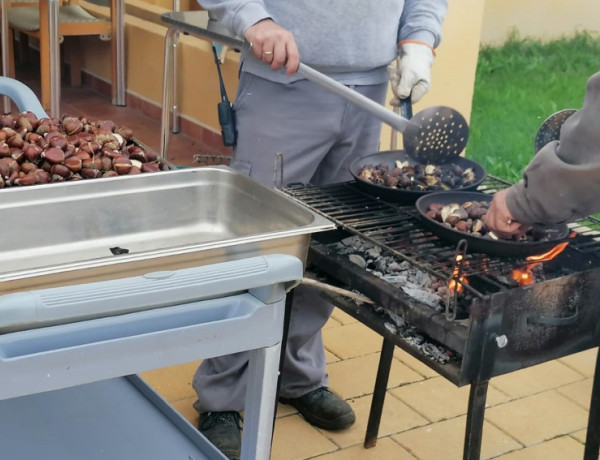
x=411 y=76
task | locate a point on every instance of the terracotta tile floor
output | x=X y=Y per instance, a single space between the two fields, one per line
x=534 y=414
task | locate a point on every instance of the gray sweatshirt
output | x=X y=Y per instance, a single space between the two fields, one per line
x=336 y=36
x=562 y=182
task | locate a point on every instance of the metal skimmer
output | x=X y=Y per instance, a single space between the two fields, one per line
x=443 y=133
x=434 y=135
x=550 y=129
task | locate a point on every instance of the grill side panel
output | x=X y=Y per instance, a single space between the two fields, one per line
x=526 y=326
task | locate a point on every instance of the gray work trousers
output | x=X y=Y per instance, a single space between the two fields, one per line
x=318 y=134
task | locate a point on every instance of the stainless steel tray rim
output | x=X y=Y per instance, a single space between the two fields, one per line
x=157 y=253
x=216 y=196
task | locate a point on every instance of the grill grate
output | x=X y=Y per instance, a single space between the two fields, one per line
x=399 y=228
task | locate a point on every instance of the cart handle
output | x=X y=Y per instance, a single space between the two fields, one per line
x=22 y=96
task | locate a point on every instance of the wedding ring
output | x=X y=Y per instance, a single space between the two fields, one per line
x=509 y=221
x=268 y=52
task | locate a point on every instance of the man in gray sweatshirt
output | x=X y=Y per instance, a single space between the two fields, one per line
x=319 y=134
x=562 y=182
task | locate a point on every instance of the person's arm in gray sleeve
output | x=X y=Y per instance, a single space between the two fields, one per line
x=236 y=15
x=419 y=32
x=562 y=182
x=422 y=21
x=269 y=42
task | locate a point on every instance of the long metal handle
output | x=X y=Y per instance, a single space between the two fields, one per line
x=335 y=290
x=385 y=115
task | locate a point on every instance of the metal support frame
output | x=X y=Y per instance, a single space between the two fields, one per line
x=475 y=411
x=5 y=58
x=175 y=108
x=475 y=417
x=119 y=86
x=118 y=37
x=54 y=42
x=188 y=23
x=381 y=381
x=168 y=87
x=592 y=440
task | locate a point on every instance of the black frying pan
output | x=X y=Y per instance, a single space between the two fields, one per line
x=502 y=248
x=398 y=195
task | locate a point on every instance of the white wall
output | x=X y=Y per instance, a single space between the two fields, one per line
x=541 y=19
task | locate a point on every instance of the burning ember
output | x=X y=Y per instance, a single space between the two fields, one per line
x=453 y=284
x=525 y=276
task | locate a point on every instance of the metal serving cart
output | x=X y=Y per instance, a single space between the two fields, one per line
x=101 y=279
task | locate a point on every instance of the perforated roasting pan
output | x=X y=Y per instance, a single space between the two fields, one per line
x=85 y=231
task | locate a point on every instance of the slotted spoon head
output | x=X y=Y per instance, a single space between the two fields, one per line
x=441 y=135
x=550 y=129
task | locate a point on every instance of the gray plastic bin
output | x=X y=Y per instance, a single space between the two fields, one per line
x=63 y=394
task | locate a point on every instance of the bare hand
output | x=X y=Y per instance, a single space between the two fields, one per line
x=499 y=220
x=273 y=45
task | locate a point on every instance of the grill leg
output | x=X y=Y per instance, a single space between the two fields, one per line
x=381 y=381
x=475 y=416
x=592 y=440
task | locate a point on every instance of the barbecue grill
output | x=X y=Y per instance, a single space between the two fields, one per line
x=487 y=324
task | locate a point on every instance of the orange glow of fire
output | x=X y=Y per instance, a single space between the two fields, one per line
x=551 y=254
x=524 y=275
x=453 y=285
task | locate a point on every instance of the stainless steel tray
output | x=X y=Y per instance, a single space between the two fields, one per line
x=67 y=233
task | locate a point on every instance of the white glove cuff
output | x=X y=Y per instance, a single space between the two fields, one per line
x=415 y=42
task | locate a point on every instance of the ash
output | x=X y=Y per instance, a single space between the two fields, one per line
x=401 y=274
x=414 y=282
x=414 y=338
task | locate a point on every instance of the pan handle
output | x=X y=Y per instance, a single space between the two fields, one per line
x=554 y=321
x=375 y=109
x=404 y=108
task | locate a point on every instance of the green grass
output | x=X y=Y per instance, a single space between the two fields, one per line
x=517 y=87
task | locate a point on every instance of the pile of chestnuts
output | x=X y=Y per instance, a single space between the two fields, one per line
x=468 y=218
x=40 y=151
x=418 y=177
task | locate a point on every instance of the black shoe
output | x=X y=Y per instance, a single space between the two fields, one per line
x=323 y=409
x=224 y=430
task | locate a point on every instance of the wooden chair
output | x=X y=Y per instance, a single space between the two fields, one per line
x=50 y=22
